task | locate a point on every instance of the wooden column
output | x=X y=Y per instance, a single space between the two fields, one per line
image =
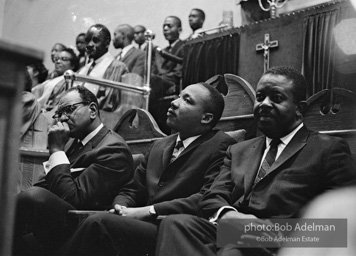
x=13 y=60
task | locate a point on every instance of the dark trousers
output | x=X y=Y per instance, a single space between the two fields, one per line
x=183 y=234
x=109 y=234
x=43 y=214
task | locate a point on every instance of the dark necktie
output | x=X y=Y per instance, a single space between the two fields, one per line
x=177 y=147
x=74 y=148
x=91 y=68
x=269 y=159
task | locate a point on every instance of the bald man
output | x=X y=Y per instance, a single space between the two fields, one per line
x=133 y=58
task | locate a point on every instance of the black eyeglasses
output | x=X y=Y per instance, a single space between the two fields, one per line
x=67 y=110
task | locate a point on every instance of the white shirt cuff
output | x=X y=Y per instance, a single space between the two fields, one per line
x=216 y=216
x=55 y=159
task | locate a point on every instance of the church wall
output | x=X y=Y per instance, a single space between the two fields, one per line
x=41 y=23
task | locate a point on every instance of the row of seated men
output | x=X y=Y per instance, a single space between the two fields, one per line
x=186 y=183
x=95 y=60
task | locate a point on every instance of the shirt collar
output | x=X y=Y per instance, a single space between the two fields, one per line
x=97 y=61
x=126 y=49
x=188 y=141
x=174 y=43
x=92 y=134
x=286 y=139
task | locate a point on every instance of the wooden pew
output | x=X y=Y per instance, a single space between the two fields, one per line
x=239 y=99
x=334 y=113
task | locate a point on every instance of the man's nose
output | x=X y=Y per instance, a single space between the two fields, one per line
x=63 y=118
x=175 y=103
x=266 y=102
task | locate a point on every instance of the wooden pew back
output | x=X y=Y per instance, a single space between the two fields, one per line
x=333 y=113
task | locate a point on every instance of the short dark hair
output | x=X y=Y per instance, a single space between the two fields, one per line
x=142 y=27
x=104 y=29
x=201 y=12
x=74 y=60
x=81 y=34
x=215 y=104
x=179 y=22
x=60 y=44
x=299 y=82
x=42 y=71
x=85 y=94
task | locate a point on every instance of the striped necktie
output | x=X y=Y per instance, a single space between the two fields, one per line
x=269 y=159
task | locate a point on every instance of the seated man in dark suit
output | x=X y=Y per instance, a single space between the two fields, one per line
x=171 y=179
x=133 y=58
x=85 y=171
x=262 y=178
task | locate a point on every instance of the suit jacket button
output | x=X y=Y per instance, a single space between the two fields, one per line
x=160 y=184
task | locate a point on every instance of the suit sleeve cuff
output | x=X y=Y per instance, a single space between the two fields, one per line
x=55 y=159
x=218 y=214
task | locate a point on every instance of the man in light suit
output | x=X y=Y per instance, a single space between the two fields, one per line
x=133 y=58
x=102 y=65
x=250 y=186
x=87 y=167
x=169 y=180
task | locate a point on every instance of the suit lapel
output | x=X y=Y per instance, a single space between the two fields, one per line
x=89 y=146
x=127 y=54
x=297 y=143
x=194 y=144
x=167 y=151
x=254 y=154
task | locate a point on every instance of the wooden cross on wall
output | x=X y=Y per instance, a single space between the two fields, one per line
x=265 y=46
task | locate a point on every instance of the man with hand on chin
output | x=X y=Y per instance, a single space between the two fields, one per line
x=87 y=167
x=171 y=179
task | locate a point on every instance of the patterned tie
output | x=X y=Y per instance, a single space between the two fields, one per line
x=177 y=149
x=269 y=159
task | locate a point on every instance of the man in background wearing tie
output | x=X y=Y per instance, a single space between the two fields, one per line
x=132 y=57
x=174 y=174
x=166 y=73
x=87 y=167
x=103 y=65
x=271 y=176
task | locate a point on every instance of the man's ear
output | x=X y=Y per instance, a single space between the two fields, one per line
x=207 y=118
x=301 y=107
x=107 y=43
x=93 y=108
x=180 y=30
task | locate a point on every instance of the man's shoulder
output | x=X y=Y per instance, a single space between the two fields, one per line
x=137 y=52
x=117 y=64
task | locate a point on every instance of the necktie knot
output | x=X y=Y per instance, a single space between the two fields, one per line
x=275 y=142
x=178 y=148
x=179 y=144
x=77 y=144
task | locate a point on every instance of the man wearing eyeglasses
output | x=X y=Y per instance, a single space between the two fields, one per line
x=87 y=167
